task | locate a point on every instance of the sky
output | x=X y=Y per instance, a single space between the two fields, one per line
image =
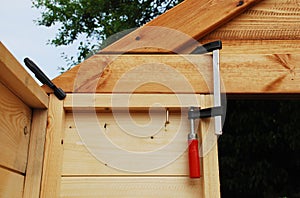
x=23 y=38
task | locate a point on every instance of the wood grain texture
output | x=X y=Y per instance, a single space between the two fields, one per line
x=209 y=150
x=105 y=102
x=34 y=169
x=268 y=20
x=17 y=79
x=15 y=118
x=11 y=184
x=263 y=47
x=79 y=161
x=52 y=166
x=130 y=187
x=185 y=23
x=138 y=73
x=241 y=74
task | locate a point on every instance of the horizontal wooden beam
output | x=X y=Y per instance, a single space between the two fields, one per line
x=131 y=187
x=132 y=101
x=240 y=73
x=263 y=47
x=17 y=79
x=185 y=23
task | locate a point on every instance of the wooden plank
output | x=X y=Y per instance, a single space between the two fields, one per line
x=139 y=74
x=11 y=183
x=270 y=19
x=241 y=74
x=15 y=124
x=79 y=161
x=34 y=169
x=176 y=28
x=257 y=74
x=132 y=101
x=209 y=149
x=53 y=149
x=130 y=187
x=16 y=78
x=255 y=47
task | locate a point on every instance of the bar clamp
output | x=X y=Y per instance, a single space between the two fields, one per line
x=216 y=111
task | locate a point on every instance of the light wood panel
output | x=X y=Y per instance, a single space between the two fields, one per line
x=176 y=28
x=11 y=184
x=138 y=73
x=241 y=74
x=79 y=161
x=270 y=19
x=17 y=79
x=36 y=154
x=132 y=101
x=130 y=187
x=209 y=148
x=52 y=166
x=15 y=118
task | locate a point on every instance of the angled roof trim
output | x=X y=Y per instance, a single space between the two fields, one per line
x=192 y=19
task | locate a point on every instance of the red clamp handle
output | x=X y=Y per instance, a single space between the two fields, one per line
x=194 y=161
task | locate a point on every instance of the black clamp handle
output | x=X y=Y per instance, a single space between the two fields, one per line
x=208 y=47
x=197 y=113
x=39 y=74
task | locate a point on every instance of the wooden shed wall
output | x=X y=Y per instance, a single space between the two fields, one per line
x=23 y=118
x=71 y=170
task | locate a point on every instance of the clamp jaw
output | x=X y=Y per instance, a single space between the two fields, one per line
x=196 y=113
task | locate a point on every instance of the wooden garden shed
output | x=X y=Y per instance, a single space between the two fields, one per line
x=51 y=147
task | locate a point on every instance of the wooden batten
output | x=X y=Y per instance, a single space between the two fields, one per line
x=106 y=102
x=34 y=170
x=50 y=185
x=131 y=187
x=210 y=165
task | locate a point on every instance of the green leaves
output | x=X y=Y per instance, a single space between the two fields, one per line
x=96 y=20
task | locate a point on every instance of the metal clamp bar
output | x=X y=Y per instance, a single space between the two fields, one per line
x=217 y=90
x=213 y=47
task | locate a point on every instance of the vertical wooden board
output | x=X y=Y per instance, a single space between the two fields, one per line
x=131 y=187
x=11 y=184
x=15 y=121
x=36 y=154
x=209 y=149
x=53 y=149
